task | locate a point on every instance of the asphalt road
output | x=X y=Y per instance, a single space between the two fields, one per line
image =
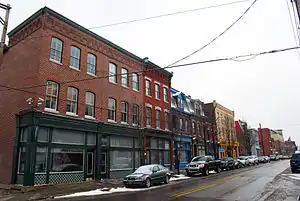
x=265 y=182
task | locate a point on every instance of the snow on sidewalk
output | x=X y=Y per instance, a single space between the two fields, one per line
x=119 y=190
x=179 y=177
x=293 y=176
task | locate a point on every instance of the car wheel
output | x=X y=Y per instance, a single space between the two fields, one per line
x=189 y=174
x=148 y=183
x=233 y=167
x=218 y=170
x=206 y=171
x=167 y=179
x=293 y=170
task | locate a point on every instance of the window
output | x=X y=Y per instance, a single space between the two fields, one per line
x=157 y=115
x=24 y=134
x=166 y=96
x=75 y=57
x=91 y=64
x=112 y=109
x=64 y=136
x=157 y=91
x=22 y=158
x=119 y=141
x=56 y=50
x=66 y=160
x=148 y=116
x=148 y=90
x=180 y=124
x=194 y=127
x=43 y=134
x=90 y=104
x=120 y=160
x=124 y=112
x=91 y=139
x=198 y=109
x=166 y=120
x=72 y=100
x=135 y=82
x=125 y=81
x=112 y=73
x=90 y=163
x=186 y=126
x=51 y=95
x=135 y=114
x=40 y=160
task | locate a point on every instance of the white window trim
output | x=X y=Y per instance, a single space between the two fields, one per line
x=72 y=114
x=125 y=123
x=133 y=124
x=111 y=121
x=51 y=110
x=166 y=110
x=127 y=87
x=54 y=61
x=166 y=86
x=74 y=68
x=148 y=105
x=148 y=126
x=147 y=78
x=91 y=74
x=155 y=82
x=135 y=90
x=157 y=108
x=149 y=95
x=89 y=117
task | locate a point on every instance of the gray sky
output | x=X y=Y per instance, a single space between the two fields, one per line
x=263 y=89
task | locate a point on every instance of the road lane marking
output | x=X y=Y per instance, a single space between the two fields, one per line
x=186 y=192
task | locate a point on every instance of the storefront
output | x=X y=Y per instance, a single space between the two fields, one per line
x=53 y=149
x=157 y=147
x=182 y=147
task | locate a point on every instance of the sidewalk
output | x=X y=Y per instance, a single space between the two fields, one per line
x=50 y=191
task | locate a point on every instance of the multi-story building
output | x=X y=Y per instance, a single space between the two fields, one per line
x=242 y=137
x=158 y=142
x=72 y=106
x=277 y=141
x=289 y=147
x=223 y=117
x=254 y=142
x=264 y=136
x=190 y=128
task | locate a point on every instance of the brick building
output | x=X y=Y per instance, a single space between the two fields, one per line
x=90 y=128
x=264 y=136
x=158 y=141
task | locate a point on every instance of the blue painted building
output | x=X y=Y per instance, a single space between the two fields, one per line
x=181 y=127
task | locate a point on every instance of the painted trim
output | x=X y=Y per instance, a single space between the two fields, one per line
x=155 y=82
x=72 y=114
x=56 y=62
x=165 y=86
x=166 y=110
x=89 y=117
x=157 y=108
x=148 y=78
x=74 y=68
x=50 y=110
x=148 y=105
x=111 y=121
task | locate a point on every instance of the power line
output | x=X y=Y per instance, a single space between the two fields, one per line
x=234 y=58
x=292 y=24
x=214 y=39
x=168 y=14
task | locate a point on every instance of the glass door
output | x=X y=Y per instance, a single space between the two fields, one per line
x=103 y=164
x=90 y=164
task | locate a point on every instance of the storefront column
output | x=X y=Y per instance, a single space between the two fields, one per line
x=98 y=154
x=30 y=147
x=172 y=152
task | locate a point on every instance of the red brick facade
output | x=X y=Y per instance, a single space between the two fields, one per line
x=26 y=63
x=264 y=141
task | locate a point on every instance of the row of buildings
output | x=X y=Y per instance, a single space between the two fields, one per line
x=75 y=106
x=262 y=141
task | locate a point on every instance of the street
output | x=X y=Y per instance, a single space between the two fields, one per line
x=265 y=182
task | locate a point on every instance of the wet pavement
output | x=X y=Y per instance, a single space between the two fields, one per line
x=265 y=182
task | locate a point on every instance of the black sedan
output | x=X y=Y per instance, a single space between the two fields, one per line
x=227 y=163
x=147 y=175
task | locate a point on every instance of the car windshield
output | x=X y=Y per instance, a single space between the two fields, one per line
x=200 y=158
x=296 y=156
x=144 y=169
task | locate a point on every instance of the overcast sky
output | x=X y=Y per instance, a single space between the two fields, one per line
x=264 y=89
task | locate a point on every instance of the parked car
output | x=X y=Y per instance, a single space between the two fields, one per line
x=243 y=160
x=295 y=162
x=147 y=175
x=203 y=164
x=262 y=159
x=227 y=163
x=253 y=160
x=267 y=159
x=237 y=163
x=273 y=157
x=285 y=157
x=280 y=157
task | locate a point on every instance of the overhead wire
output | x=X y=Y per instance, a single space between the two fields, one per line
x=168 y=14
x=233 y=58
x=215 y=38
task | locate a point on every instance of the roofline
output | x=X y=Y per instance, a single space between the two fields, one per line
x=83 y=29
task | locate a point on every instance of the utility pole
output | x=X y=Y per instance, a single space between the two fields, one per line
x=262 y=140
x=4 y=30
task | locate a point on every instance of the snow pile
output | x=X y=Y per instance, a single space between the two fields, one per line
x=292 y=176
x=178 y=177
x=101 y=192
